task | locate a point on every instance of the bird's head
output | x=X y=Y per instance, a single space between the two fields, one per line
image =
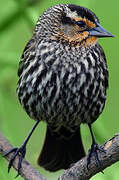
x=75 y=24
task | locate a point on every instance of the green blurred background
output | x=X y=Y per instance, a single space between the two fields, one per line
x=17 y=19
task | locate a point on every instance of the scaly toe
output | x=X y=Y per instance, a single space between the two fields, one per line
x=17 y=151
x=93 y=151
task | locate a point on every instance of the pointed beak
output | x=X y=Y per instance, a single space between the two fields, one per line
x=99 y=31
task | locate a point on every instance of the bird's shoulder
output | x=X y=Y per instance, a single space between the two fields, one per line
x=27 y=55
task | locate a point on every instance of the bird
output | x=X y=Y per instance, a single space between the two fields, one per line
x=63 y=81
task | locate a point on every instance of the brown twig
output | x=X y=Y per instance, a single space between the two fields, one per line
x=79 y=170
x=27 y=171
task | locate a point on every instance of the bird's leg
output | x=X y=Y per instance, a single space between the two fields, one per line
x=93 y=151
x=21 y=151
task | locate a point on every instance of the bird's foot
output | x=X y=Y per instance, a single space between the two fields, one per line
x=93 y=151
x=21 y=151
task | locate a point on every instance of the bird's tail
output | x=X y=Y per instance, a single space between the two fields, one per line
x=60 y=153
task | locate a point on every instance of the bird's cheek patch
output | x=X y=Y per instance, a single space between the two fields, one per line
x=79 y=37
x=90 y=41
x=84 y=34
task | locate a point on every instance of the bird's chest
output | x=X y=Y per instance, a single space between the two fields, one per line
x=65 y=93
x=66 y=90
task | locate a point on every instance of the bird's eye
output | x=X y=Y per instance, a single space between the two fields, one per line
x=81 y=24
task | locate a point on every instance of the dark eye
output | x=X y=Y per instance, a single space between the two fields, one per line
x=81 y=24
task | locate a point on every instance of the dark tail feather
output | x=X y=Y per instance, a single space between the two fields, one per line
x=60 y=154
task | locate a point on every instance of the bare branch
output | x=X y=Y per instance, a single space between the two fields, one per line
x=27 y=171
x=79 y=170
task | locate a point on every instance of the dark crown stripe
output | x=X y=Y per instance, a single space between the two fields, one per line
x=84 y=12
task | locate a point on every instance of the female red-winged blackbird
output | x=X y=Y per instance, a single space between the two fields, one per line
x=63 y=78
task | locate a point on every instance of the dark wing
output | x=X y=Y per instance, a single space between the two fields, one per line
x=104 y=65
x=28 y=54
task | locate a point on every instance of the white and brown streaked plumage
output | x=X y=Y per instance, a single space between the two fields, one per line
x=63 y=78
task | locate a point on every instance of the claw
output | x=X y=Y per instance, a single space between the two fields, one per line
x=21 y=151
x=17 y=151
x=10 y=151
x=19 y=164
x=93 y=151
x=12 y=159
